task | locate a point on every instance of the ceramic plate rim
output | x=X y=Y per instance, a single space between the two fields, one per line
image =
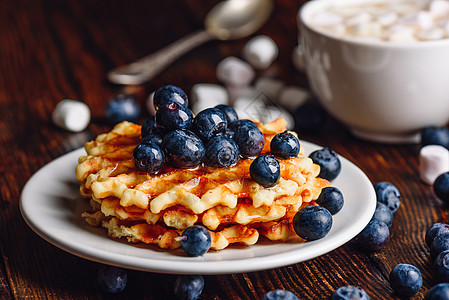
x=40 y=216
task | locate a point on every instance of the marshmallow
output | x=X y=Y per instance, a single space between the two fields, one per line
x=400 y=33
x=150 y=104
x=367 y=29
x=206 y=95
x=431 y=34
x=360 y=18
x=326 y=18
x=260 y=52
x=439 y=8
x=71 y=115
x=433 y=161
x=291 y=97
x=269 y=86
x=235 y=72
x=422 y=19
x=387 y=18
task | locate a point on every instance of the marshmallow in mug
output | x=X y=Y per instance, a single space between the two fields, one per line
x=395 y=21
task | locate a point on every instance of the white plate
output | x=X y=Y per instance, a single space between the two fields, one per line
x=51 y=205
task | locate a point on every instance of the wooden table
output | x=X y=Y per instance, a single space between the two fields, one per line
x=51 y=50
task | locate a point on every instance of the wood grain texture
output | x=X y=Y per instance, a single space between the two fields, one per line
x=52 y=50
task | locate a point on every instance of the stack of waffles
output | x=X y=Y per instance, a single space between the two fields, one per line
x=155 y=208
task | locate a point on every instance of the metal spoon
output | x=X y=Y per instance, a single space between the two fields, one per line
x=227 y=20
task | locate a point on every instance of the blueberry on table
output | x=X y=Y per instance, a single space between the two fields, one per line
x=441 y=187
x=383 y=213
x=374 y=236
x=148 y=126
x=122 y=108
x=439 y=244
x=173 y=116
x=438 y=292
x=284 y=145
x=230 y=113
x=183 y=148
x=112 y=279
x=248 y=137
x=441 y=266
x=169 y=94
x=309 y=117
x=405 y=279
x=331 y=198
x=435 y=230
x=388 y=194
x=221 y=152
x=209 y=123
x=148 y=157
x=279 y=295
x=349 y=292
x=195 y=240
x=188 y=287
x=435 y=136
x=265 y=170
x=152 y=138
x=328 y=161
x=312 y=222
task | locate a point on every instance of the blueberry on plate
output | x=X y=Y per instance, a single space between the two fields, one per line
x=148 y=126
x=122 y=108
x=195 y=240
x=248 y=137
x=230 y=113
x=221 y=152
x=331 y=198
x=312 y=222
x=405 y=279
x=209 y=123
x=328 y=161
x=148 y=157
x=173 y=116
x=374 y=236
x=435 y=136
x=169 y=94
x=183 y=148
x=441 y=187
x=152 y=138
x=309 y=117
x=388 y=194
x=265 y=170
x=279 y=295
x=349 y=292
x=383 y=213
x=284 y=145
x=434 y=231
x=441 y=266
x=112 y=279
x=439 y=244
x=188 y=287
x=438 y=292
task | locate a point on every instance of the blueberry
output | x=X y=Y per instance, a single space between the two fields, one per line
x=383 y=213
x=112 y=279
x=435 y=136
x=441 y=266
x=434 y=231
x=148 y=126
x=169 y=94
x=312 y=222
x=265 y=170
x=152 y=138
x=374 y=236
x=438 y=292
x=309 y=117
x=441 y=187
x=284 y=145
x=279 y=295
x=183 y=148
x=208 y=123
x=122 y=108
x=248 y=137
x=173 y=116
x=405 y=279
x=230 y=113
x=439 y=244
x=188 y=287
x=195 y=240
x=349 y=292
x=329 y=162
x=221 y=152
x=148 y=157
x=388 y=194
x=332 y=199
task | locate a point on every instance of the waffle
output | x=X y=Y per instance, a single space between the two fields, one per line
x=156 y=208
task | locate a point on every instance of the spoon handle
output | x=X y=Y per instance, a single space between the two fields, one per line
x=148 y=66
